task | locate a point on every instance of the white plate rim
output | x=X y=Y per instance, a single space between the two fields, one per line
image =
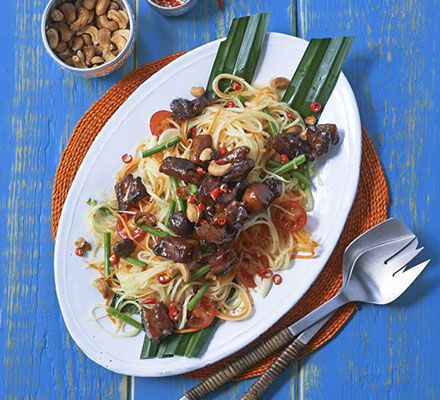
x=71 y=320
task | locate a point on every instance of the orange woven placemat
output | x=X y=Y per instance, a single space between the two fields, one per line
x=369 y=208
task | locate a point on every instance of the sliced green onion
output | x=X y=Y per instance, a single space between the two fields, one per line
x=317 y=74
x=161 y=147
x=193 y=302
x=199 y=340
x=91 y=202
x=175 y=185
x=272 y=127
x=149 y=349
x=200 y=272
x=135 y=261
x=292 y=164
x=243 y=99
x=239 y=53
x=170 y=212
x=153 y=231
x=193 y=188
x=107 y=253
x=124 y=317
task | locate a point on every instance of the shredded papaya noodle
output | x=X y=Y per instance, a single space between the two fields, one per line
x=242 y=123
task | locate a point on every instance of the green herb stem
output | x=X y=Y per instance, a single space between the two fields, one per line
x=200 y=272
x=161 y=147
x=243 y=99
x=193 y=188
x=193 y=302
x=135 y=261
x=272 y=126
x=170 y=212
x=124 y=317
x=175 y=185
x=153 y=231
x=107 y=253
x=292 y=164
x=303 y=179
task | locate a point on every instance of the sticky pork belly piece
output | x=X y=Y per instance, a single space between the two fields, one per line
x=224 y=260
x=180 y=224
x=183 y=109
x=259 y=195
x=156 y=323
x=178 y=249
x=180 y=168
x=214 y=234
x=129 y=191
x=124 y=247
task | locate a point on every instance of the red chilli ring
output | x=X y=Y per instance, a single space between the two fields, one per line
x=127 y=158
x=315 y=107
x=277 y=279
x=265 y=273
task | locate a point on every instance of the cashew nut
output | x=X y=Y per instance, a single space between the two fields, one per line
x=53 y=38
x=61 y=47
x=104 y=36
x=206 y=154
x=120 y=42
x=98 y=50
x=210 y=276
x=91 y=17
x=97 y=60
x=107 y=54
x=57 y=15
x=279 y=83
x=197 y=91
x=68 y=53
x=103 y=287
x=125 y=33
x=81 y=55
x=78 y=62
x=101 y=6
x=69 y=61
x=87 y=39
x=69 y=12
x=64 y=31
x=81 y=19
x=103 y=22
x=294 y=129
x=219 y=169
x=174 y=268
x=192 y=212
x=113 y=6
x=310 y=120
x=89 y=52
x=145 y=218
x=78 y=4
x=78 y=43
x=89 y=4
x=90 y=30
x=120 y=17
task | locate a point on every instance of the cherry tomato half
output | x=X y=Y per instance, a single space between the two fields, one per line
x=293 y=220
x=203 y=314
x=158 y=122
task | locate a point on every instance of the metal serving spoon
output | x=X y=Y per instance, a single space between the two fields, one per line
x=387 y=231
x=379 y=276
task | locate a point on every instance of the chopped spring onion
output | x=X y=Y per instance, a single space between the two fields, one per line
x=161 y=147
x=292 y=164
x=180 y=203
x=153 y=231
x=239 y=53
x=170 y=212
x=193 y=188
x=317 y=74
x=200 y=272
x=135 y=261
x=272 y=127
x=193 y=302
x=107 y=253
x=304 y=180
x=243 y=99
x=124 y=317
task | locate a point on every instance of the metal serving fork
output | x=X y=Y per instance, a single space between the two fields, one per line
x=379 y=276
x=387 y=231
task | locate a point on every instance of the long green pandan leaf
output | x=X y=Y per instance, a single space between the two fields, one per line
x=239 y=53
x=317 y=74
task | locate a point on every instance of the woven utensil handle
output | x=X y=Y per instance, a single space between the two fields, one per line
x=240 y=365
x=291 y=353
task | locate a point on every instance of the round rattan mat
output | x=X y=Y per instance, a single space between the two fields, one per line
x=369 y=208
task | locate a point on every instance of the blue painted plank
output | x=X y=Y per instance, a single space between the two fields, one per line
x=389 y=352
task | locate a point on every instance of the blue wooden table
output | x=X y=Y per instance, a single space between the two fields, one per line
x=387 y=352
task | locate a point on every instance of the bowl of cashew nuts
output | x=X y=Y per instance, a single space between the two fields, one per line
x=90 y=38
